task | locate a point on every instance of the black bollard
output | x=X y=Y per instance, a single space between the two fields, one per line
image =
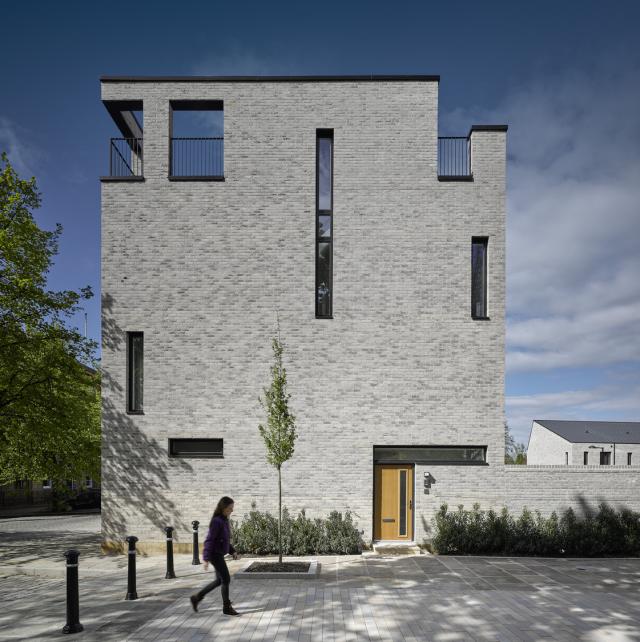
x=132 y=594
x=73 y=599
x=196 y=552
x=170 y=572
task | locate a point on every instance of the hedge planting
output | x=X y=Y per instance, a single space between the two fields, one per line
x=257 y=534
x=606 y=532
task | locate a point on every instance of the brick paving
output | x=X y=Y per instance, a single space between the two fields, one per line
x=422 y=598
x=354 y=598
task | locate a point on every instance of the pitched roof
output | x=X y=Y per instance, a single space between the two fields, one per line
x=620 y=432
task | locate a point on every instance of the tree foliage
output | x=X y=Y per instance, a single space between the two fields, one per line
x=49 y=387
x=279 y=432
x=514 y=452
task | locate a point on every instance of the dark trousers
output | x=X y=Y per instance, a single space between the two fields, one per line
x=222 y=579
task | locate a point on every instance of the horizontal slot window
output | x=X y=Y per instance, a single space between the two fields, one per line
x=204 y=448
x=431 y=454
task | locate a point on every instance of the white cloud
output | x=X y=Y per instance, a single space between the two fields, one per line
x=24 y=155
x=573 y=230
x=613 y=402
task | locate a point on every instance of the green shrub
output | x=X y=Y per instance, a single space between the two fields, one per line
x=257 y=534
x=308 y=535
x=608 y=532
x=341 y=534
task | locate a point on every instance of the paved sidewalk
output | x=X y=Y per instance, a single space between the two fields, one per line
x=354 y=598
x=33 y=585
x=422 y=598
x=35 y=606
x=39 y=542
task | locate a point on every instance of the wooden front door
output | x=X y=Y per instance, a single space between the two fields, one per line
x=393 y=502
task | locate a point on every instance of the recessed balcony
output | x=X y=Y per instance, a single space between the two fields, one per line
x=126 y=152
x=125 y=158
x=454 y=158
x=197 y=158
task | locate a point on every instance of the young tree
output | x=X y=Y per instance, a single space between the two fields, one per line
x=520 y=453
x=279 y=433
x=514 y=452
x=509 y=444
x=49 y=391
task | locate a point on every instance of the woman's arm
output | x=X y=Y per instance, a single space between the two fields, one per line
x=214 y=531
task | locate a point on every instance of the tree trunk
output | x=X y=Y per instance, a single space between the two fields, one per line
x=279 y=515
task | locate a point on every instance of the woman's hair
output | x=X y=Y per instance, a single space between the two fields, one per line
x=222 y=504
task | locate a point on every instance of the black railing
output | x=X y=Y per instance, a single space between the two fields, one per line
x=125 y=157
x=454 y=157
x=197 y=157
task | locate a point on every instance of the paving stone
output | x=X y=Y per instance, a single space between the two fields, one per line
x=351 y=600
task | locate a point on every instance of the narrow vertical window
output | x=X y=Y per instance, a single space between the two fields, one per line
x=479 y=278
x=324 y=223
x=566 y=459
x=628 y=459
x=403 y=503
x=134 y=371
x=585 y=460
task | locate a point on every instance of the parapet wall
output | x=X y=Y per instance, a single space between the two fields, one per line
x=538 y=488
x=555 y=488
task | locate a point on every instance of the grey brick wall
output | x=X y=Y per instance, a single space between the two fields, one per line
x=555 y=488
x=201 y=268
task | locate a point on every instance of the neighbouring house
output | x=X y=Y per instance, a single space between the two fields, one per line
x=25 y=495
x=588 y=443
x=333 y=203
x=28 y=496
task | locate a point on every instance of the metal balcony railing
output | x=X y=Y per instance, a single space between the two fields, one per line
x=197 y=157
x=125 y=157
x=454 y=157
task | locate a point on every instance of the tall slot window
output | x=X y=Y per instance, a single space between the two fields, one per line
x=403 y=503
x=324 y=223
x=479 y=277
x=135 y=373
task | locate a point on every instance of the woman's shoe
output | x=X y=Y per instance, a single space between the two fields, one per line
x=227 y=609
x=194 y=602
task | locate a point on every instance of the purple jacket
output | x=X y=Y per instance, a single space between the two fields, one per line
x=218 y=540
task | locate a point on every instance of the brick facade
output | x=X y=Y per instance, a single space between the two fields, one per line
x=202 y=267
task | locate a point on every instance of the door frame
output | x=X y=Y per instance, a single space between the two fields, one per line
x=412 y=522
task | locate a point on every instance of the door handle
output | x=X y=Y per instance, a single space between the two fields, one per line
x=410 y=504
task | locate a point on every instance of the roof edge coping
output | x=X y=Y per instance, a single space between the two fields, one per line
x=359 y=78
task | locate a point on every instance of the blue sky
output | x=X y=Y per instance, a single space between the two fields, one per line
x=564 y=76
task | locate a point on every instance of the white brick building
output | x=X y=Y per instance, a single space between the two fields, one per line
x=332 y=201
x=588 y=443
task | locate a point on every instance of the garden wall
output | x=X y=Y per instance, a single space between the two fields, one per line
x=543 y=488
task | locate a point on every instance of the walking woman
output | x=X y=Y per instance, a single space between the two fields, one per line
x=216 y=545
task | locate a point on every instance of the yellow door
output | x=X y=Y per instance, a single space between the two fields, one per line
x=393 y=505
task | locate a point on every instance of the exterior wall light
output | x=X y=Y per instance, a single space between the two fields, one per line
x=427 y=483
